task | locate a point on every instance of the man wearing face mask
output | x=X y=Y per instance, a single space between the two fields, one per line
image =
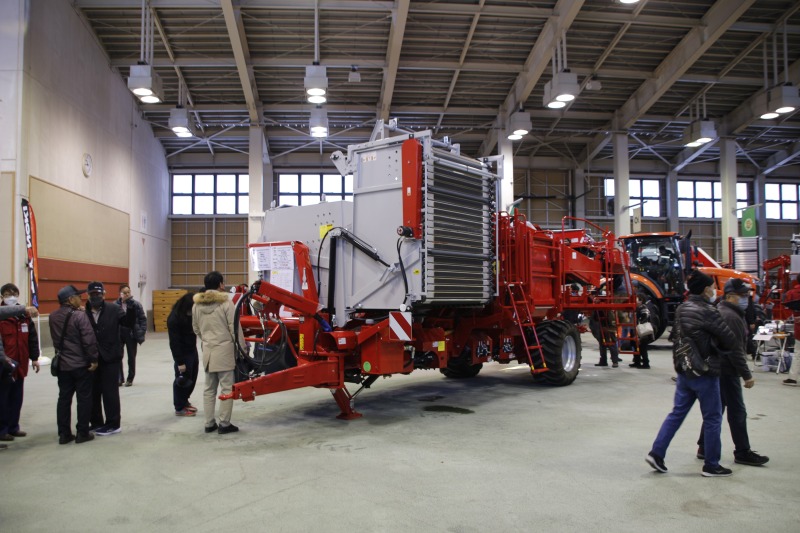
x=701 y=322
x=21 y=344
x=733 y=365
x=105 y=318
x=133 y=331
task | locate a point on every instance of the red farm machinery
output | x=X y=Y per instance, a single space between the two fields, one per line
x=420 y=271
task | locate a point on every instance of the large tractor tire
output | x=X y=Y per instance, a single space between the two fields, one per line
x=460 y=367
x=658 y=312
x=561 y=345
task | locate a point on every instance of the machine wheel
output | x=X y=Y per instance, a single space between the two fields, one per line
x=561 y=344
x=460 y=367
x=658 y=313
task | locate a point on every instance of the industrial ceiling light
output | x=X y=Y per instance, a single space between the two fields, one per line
x=628 y=1
x=316 y=82
x=699 y=132
x=563 y=87
x=179 y=122
x=354 y=76
x=143 y=81
x=519 y=124
x=783 y=99
x=318 y=122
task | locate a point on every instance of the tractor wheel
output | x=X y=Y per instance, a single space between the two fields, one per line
x=658 y=313
x=460 y=367
x=561 y=345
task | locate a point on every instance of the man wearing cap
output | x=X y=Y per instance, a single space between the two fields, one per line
x=105 y=319
x=78 y=349
x=733 y=365
x=700 y=321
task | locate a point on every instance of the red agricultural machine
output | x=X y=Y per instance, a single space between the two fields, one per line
x=419 y=271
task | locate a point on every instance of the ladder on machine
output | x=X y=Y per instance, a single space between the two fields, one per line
x=518 y=298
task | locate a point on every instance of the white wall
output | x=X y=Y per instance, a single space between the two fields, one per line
x=74 y=103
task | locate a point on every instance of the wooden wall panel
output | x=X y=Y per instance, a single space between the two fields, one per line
x=54 y=274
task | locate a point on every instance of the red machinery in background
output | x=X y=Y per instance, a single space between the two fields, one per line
x=470 y=285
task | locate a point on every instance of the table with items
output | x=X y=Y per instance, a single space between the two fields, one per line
x=772 y=340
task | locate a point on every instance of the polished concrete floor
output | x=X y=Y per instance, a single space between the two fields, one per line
x=496 y=453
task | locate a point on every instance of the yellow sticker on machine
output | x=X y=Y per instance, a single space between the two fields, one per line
x=324 y=229
x=302 y=342
x=441 y=346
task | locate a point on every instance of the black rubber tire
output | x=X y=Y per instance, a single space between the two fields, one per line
x=561 y=344
x=658 y=313
x=459 y=367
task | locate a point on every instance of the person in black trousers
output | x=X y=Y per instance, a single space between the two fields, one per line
x=132 y=331
x=183 y=345
x=105 y=318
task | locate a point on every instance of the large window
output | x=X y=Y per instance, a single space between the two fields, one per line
x=646 y=193
x=210 y=194
x=308 y=189
x=703 y=199
x=780 y=200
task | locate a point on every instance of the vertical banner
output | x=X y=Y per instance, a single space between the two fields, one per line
x=749 y=222
x=29 y=222
x=636 y=221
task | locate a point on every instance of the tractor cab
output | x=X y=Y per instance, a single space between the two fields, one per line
x=658 y=258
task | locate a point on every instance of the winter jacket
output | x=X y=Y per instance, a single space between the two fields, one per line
x=182 y=340
x=734 y=362
x=106 y=329
x=135 y=322
x=212 y=321
x=701 y=321
x=79 y=348
x=21 y=342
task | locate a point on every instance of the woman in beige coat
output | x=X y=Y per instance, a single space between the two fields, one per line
x=213 y=321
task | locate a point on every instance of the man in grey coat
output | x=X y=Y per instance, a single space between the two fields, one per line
x=213 y=322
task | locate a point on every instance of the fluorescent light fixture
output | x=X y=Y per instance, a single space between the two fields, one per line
x=318 y=123
x=783 y=99
x=628 y=1
x=561 y=89
x=316 y=83
x=519 y=124
x=180 y=123
x=699 y=132
x=145 y=83
x=354 y=76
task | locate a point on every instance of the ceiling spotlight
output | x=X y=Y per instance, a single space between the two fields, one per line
x=145 y=83
x=519 y=124
x=316 y=83
x=179 y=122
x=561 y=89
x=354 y=76
x=784 y=99
x=699 y=132
x=628 y=1
x=318 y=122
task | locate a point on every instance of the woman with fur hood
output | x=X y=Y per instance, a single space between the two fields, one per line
x=213 y=322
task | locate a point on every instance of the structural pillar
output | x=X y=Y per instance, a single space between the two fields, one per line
x=579 y=193
x=727 y=176
x=260 y=189
x=761 y=215
x=506 y=151
x=622 y=197
x=673 y=222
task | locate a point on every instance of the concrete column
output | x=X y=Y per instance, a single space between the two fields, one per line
x=761 y=214
x=13 y=180
x=579 y=190
x=622 y=198
x=506 y=150
x=673 y=223
x=727 y=176
x=260 y=188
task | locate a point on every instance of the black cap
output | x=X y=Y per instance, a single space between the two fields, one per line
x=736 y=286
x=698 y=282
x=95 y=286
x=65 y=293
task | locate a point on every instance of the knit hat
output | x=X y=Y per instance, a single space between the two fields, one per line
x=698 y=282
x=736 y=286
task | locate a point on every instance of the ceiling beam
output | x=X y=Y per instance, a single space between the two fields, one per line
x=687 y=155
x=696 y=42
x=782 y=158
x=561 y=19
x=394 y=46
x=743 y=116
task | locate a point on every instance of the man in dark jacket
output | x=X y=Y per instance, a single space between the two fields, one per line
x=7 y=364
x=733 y=366
x=132 y=331
x=78 y=349
x=105 y=318
x=698 y=320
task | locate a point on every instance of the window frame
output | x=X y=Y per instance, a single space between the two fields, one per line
x=714 y=199
x=641 y=198
x=297 y=195
x=780 y=203
x=239 y=179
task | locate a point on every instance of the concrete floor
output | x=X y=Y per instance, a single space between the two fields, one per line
x=496 y=453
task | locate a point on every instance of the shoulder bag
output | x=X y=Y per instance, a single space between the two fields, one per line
x=54 y=364
x=685 y=354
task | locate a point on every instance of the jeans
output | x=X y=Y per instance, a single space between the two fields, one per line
x=706 y=390
x=78 y=383
x=224 y=381
x=180 y=395
x=129 y=343
x=730 y=389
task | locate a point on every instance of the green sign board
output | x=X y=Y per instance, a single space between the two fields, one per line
x=749 y=222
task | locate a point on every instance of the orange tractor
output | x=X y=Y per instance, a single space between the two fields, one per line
x=419 y=271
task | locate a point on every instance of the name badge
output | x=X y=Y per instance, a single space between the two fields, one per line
x=24 y=328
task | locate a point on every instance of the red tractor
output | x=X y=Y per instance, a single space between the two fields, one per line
x=420 y=271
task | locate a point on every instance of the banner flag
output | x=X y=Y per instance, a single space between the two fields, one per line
x=749 y=222
x=29 y=221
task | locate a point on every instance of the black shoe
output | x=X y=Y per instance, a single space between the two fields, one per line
x=601 y=364
x=230 y=428
x=646 y=367
x=66 y=439
x=716 y=471
x=129 y=383
x=84 y=437
x=614 y=365
x=212 y=429
x=94 y=427
x=701 y=453
x=635 y=365
x=656 y=462
x=750 y=458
